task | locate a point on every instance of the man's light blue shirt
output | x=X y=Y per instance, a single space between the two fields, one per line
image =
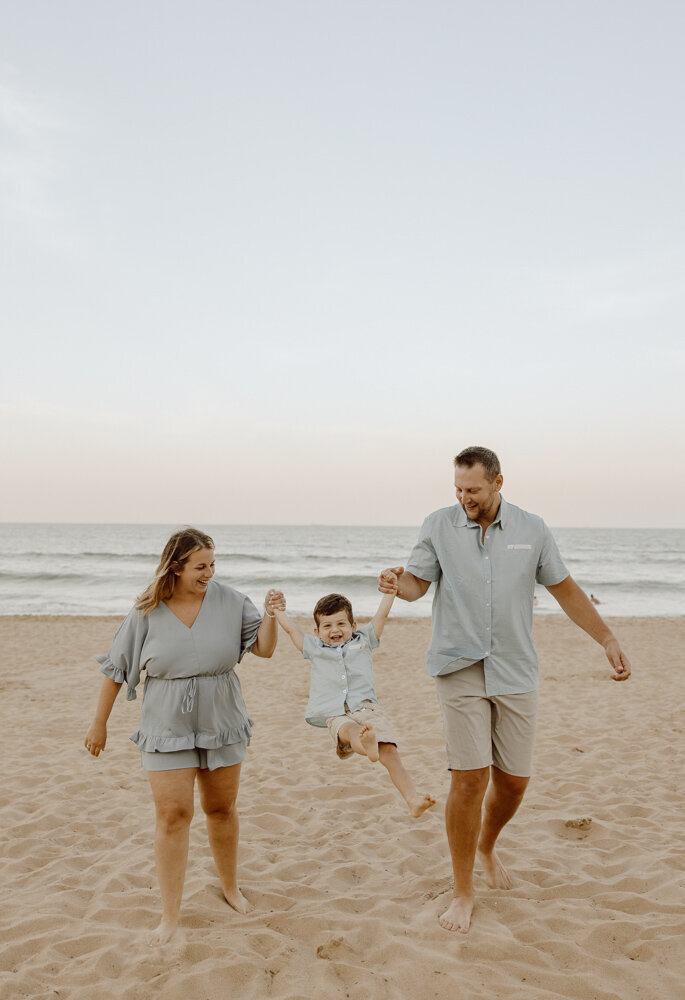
x=483 y=601
x=341 y=675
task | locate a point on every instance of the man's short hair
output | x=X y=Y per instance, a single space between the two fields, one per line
x=331 y=603
x=488 y=459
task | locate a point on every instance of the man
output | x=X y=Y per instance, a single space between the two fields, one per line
x=485 y=556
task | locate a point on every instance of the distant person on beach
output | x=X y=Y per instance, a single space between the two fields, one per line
x=342 y=694
x=187 y=632
x=485 y=556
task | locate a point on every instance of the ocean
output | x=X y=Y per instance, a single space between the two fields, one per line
x=99 y=569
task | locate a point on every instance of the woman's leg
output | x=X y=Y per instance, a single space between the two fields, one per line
x=173 y=795
x=218 y=795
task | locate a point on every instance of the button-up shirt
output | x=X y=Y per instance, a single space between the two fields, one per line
x=341 y=675
x=483 y=601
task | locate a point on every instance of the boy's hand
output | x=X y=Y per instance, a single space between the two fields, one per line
x=389 y=580
x=274 y=601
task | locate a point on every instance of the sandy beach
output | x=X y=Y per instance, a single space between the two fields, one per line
x=347 y=887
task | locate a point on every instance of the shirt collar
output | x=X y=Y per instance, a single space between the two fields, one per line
x=460 y=520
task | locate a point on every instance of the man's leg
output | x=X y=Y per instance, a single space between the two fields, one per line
x=513 y=739
x=503 y=798
x=463 y=821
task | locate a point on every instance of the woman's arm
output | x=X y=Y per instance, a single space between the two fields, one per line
x=96 y=737
x=267 y=636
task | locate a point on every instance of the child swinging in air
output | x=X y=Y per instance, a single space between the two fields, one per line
x=342 y=695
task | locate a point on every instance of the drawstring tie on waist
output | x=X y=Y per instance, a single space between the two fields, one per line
x=189 y=696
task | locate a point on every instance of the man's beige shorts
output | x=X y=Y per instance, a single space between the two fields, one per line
x=482 y=730
x=370 y=714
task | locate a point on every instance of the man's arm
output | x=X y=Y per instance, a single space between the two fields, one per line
x=576 y=604
x=405 y=585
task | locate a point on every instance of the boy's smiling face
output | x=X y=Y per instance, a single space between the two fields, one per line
x=335 y=629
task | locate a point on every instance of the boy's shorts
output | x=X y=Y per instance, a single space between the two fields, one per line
x=482 y=730
x=370 y=714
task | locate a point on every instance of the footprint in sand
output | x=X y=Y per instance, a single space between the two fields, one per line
x=584 y=823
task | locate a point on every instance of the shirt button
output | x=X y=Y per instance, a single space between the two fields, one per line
x=487 y=627
x=486 y=557
x=342 y=677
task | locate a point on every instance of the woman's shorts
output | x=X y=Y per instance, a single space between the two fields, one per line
x=370 y=714
x=206 y=760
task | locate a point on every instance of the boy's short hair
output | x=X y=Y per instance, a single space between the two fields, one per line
x=331 y=603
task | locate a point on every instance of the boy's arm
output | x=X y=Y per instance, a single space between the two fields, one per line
x=274 y=606
x=294 y=631
x=379 y=619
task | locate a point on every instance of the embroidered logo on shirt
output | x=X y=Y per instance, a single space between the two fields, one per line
x=519 y=546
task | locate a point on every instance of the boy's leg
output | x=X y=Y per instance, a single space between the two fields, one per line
x=390 y=759
x=362 y=739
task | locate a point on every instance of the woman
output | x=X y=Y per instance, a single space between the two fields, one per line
x=188 y=632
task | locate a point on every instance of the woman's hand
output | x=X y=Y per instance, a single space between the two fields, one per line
x=274 y=601
x=96 y=738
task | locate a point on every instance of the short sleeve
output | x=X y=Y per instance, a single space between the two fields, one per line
x=369 y=634
x=551 y=568
x=423 y=561
x=123 y=662
x=310 y=644
x=250 y=626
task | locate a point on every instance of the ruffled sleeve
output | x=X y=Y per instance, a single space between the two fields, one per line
x=123 y=662
x=250 y=626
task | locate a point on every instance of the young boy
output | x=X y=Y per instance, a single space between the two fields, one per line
x=342 y=695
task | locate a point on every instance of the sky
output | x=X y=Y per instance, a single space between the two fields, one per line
x=278 y=262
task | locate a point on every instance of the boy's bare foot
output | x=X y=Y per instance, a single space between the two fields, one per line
x=457 y=916
x=418 y=806
x=496 y=875
x=163 y=933
x=367 y=738
x=238 y=901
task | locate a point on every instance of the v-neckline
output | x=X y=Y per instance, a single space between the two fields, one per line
x=180 y=620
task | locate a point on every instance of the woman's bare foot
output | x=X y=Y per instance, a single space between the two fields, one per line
x=496 y=875
x=163 y=933
x=367 y=738
x=457 y=916
x=418 y=806
x=236 y=899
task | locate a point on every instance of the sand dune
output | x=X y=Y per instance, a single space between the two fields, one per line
x=347 y=886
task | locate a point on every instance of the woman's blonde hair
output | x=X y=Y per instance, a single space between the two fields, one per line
x=176 y=553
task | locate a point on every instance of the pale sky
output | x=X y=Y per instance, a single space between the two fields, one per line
x=278 y=262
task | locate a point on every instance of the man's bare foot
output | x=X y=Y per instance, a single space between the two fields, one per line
x=236 y=899
x=457 y=916
x=163 y=933
x=367 y=738
x=496 y=875
x=418 y=806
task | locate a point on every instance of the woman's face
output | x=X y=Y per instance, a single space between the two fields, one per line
x=196 y=574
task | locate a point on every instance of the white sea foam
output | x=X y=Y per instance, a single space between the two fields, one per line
x=100 y=568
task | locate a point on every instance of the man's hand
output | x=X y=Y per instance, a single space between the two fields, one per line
x=618 y=660
x=389 y=580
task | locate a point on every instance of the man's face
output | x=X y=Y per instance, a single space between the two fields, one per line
x=335 y=629
x=477 y=495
